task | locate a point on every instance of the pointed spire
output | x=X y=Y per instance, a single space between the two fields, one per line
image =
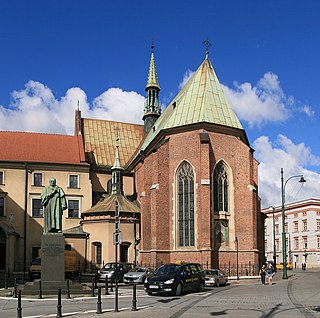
x=117 y=184
x=152 y=109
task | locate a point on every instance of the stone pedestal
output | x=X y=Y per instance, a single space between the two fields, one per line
x=52 y=258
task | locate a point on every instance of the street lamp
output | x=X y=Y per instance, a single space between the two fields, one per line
x=274 y=240
x=284 y=248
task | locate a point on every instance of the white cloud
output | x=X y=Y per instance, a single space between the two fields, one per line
x=187 y=75
x=265 y=102
x=308 y=110
x=294 y=159
x=36 y=109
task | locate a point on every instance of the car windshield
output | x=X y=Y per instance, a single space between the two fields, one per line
x=139 y=270
x=212 y=272
x=111 y=266
x=167 y=269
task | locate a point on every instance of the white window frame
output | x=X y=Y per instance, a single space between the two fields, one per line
x=78 y=181
x=42 y=179
x=2 y=172
x=79 y=201
x=31 y=207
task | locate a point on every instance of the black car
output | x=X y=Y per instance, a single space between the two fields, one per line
x=175 y=279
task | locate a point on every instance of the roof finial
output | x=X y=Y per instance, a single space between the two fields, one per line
x=152 y=44
x=207 y=44
x=78 y=104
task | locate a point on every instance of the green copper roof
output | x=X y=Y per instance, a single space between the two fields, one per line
x=200 y=100
x=152 y=75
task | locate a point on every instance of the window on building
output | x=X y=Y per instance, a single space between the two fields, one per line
x=73 y=181
x=318 y=242
x=295 y=215
x=318 y=225
x=295 y=226
x=185 y=200
x=1 y=206
x=97 y=252
x=276 y=218
x=286 y=227
x=109 y=186
x=296 y=243
x=304 y=225
x=37 y=179
x=277 y=245
x=37 y=208
x=318 y=212
x=221 y=188
x=73 y=208
x=124 y=249
x=276 y=228
x=305 y=242
x=1 y=177
x=304 y=213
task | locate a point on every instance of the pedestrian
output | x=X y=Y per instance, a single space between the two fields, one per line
x=269 y=273
x=262 y=274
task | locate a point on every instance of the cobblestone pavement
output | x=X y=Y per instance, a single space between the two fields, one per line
x=297 y=296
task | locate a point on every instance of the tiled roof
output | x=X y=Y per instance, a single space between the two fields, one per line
x=201 y=100
x=108 y=203
x=99 y=139
x=45 y=148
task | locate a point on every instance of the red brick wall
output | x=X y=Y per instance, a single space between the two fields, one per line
x=157 y=205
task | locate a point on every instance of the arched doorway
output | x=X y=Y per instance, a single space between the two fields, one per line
x=3 y=244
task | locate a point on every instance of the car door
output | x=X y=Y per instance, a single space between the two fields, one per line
x=186 y=278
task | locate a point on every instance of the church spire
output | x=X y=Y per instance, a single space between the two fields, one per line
x=117 y=182
x=152 y=110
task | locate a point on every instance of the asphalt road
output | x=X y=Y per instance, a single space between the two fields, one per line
x=298 y=296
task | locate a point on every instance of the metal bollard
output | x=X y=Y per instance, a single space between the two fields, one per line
x=111 y=286
x=40 y=289
x=15 y=288
x=68 y=289
x=106 y=286
x=134 y=298
x=79 y=278
x=99 y=302
x=95 y=280
x=92 y=287
x=116 y=298
x=59 y=306
x=19 y=308
x=5 y=281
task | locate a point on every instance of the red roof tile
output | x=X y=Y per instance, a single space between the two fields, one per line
x=35 y=147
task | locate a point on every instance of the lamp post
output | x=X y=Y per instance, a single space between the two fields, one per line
x=274 y=240
x=284 y=248
x=237 y=248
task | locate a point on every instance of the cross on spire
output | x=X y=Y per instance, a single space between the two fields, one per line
x=207 y=44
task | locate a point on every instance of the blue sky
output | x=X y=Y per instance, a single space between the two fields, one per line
x=265 y=53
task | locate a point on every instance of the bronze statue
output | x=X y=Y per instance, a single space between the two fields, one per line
x=54 y=202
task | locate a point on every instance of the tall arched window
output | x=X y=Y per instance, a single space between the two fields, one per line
x=185 y=180
x=221 y=188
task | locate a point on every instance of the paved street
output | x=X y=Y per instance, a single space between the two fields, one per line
x=298 y=296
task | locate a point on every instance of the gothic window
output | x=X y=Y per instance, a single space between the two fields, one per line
x=221 y=188
x=185 y=181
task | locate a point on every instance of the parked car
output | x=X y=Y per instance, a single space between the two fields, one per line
x=279 y=266
x=137 y=275
x=214 y=277
x=109 y=271
x=175 y=279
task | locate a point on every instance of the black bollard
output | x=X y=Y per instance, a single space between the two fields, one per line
x=68 y=289
x=106 y=286
x=79 y=278
x=19 y=308
x=95 y=281
x=111 y=286
x=5 y=281
x=99 y=302
x=15 y=288
x=134 y=297
x=116 y=298
x=59 y=306
x=92 y=287
x=40 y=289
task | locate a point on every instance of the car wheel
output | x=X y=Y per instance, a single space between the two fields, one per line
x=149 y=293
x=178 y=290
x=217 y=283
x=201 y=287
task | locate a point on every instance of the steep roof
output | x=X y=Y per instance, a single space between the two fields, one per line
x=201 y=100
x=152 y=75
x=44 y=148
x=107 y=204
x=99 y=140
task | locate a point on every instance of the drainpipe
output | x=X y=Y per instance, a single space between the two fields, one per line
x=25 y=222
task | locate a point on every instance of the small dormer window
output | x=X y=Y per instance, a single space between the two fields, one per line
x=38 y=179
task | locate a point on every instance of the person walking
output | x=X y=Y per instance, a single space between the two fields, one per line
x=262 y=274
x=269 y=273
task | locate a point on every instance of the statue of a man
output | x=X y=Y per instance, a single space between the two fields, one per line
x=54 y=202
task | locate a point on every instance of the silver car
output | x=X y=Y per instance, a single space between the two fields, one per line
x=214 y=277
x=137 y=275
